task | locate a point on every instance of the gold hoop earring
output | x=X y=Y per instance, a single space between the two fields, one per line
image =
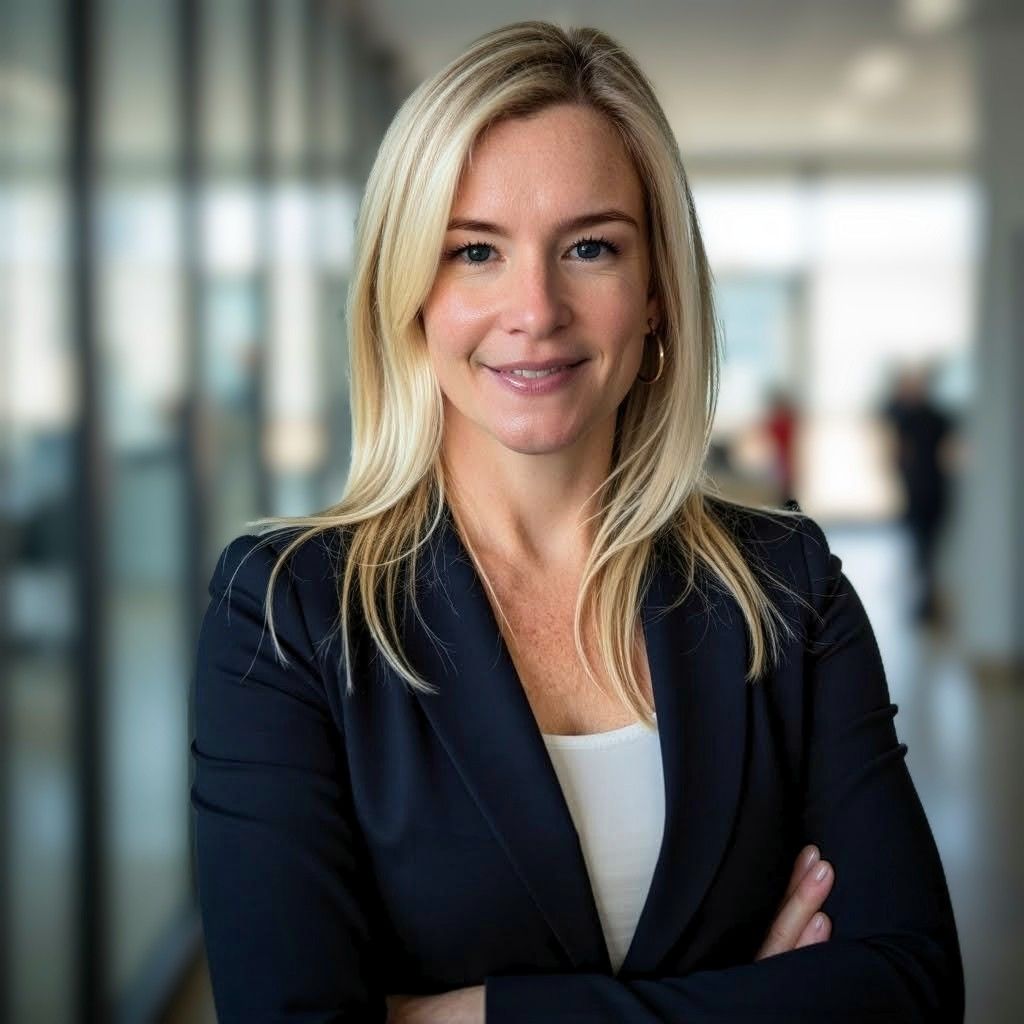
x=661 y=356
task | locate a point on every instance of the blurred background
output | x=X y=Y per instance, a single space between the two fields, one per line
x=178 y=186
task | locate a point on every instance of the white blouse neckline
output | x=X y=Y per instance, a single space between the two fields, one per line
x=610 y=738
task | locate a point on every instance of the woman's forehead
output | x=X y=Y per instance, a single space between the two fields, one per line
x=560 y=163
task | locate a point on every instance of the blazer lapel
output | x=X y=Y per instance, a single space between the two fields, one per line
x=697 y=654
x=482 y=717
x=484 y=720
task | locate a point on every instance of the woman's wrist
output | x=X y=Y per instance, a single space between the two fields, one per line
x=460 y=1006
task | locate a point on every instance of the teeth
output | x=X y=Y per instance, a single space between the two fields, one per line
x=536 y=373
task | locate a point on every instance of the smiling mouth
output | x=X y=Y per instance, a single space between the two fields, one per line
x=532 y=373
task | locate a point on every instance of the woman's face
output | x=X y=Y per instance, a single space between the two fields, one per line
x=545 y=266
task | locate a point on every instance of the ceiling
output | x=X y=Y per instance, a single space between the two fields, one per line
x=756 y=81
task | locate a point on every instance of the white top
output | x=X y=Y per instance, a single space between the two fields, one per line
x=615 y=791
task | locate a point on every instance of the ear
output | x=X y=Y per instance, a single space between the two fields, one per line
x=654 y=309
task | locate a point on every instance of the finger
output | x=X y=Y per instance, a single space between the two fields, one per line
x=797 y=911
x=396 y=1005
x=819 y=929
x=807 y=856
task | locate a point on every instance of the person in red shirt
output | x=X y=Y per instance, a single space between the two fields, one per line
x=781 y=425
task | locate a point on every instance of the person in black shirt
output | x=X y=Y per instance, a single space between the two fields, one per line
x=921 y=430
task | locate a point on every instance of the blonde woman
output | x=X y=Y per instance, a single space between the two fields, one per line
x=531 y=725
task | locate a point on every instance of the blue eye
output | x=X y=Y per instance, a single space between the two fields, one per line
x=470 y=248
x=593 y=247
x=473 y=249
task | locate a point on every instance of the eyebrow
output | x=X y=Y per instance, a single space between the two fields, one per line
x=585 y=220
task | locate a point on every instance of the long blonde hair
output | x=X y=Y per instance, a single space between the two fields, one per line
x=395 y=494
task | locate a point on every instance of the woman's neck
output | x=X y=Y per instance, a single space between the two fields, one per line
x=529 y=510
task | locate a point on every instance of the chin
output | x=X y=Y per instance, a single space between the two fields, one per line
x=534 y=443
x=534 y=449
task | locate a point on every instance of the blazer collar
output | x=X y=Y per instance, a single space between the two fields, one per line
x=483 y=718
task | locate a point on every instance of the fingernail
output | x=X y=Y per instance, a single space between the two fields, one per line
x=819 y=921
x=811 y=858
x=819 y=875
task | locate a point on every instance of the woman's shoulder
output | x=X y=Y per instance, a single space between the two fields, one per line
x=304 y=591
x=250 y=558
x=786 y=540
x=758 y=524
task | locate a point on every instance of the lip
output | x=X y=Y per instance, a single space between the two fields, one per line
x=547 y=364
x=567 y=373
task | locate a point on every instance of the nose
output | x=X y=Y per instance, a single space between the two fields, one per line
x=534 y=303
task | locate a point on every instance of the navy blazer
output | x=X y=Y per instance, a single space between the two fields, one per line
x=349 y=847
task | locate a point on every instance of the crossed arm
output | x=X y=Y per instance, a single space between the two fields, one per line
x=797 y=924
x=288 y=937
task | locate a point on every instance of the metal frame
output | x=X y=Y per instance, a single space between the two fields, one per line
x=263 y=175
x=1016 y=368
x=90 y=555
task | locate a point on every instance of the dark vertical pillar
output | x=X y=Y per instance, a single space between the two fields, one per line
x=315 y=177
x=191 y=442
x=6 y=560
x=1017 y=431
x=263 y=70
x=89 y=552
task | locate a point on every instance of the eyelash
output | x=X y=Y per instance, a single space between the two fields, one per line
x=452 y=254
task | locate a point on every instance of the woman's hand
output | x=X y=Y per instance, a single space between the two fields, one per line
x=460 y=1006
x=797 y=922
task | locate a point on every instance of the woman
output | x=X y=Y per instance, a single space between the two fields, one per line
x=542 y=730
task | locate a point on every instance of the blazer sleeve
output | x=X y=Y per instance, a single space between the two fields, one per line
x=281 y=885
x=894 y=953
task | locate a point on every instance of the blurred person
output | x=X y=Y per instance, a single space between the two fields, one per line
x=536 y=727
x=781 y=424
x=921 y=431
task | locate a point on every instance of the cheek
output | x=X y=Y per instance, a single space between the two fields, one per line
x=454 y=325
x=623 y=328
x=613 y=306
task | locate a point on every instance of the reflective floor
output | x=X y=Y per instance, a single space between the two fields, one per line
x=964 y=756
